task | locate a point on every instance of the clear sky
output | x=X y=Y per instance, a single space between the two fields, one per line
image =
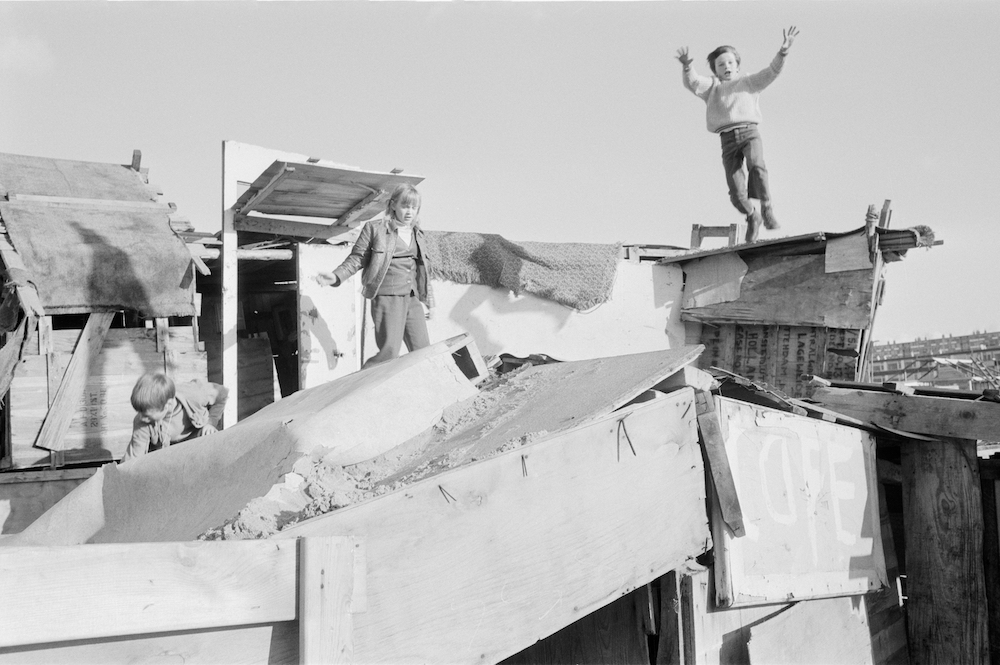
x=557 y=121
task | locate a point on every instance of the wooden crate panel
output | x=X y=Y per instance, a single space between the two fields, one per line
x=102 y=424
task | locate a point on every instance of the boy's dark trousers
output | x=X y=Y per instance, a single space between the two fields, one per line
x=739 y=145
x=397 y=319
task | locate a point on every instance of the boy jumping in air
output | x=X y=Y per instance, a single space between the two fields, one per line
x=733 y=111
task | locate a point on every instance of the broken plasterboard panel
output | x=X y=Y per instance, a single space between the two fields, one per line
x=713 y=279
x=809 y=495
x=848 y=252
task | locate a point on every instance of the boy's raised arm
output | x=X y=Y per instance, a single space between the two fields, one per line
x=787 y=38
x=696 y=84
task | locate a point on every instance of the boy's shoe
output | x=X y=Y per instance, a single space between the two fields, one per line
x=753 y=226
x=770 y=222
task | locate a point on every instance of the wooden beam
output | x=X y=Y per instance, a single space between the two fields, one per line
x=934 y=416
x=943 y=519
x=74 y=381
x=714 y=445
x=991 y=563
x=276 y=225
x=137 y=588
x=376 y=198
x=283 y=173
x=136 y=160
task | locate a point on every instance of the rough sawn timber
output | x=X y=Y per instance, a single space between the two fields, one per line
x=935 y=416
x=479 y=562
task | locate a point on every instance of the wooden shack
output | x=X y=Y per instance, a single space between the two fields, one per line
x=100 y=287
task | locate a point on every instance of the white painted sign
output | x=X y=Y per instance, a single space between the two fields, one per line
x=809 y=496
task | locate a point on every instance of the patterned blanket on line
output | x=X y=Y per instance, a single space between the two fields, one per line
x=575 y=274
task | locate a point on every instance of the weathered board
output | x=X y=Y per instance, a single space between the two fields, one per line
x=477 y=563
x=809 y=497
x=793 y=291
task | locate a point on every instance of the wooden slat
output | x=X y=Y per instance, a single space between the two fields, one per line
x=142 y=588
x=284 y=170
x=934 y=416
x=714 y=444
x=532 y=532
x=74 y=380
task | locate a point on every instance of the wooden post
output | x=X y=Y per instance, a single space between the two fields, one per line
x=230 y=295
x=943 y=518
x=991 y=556
x=326 y=587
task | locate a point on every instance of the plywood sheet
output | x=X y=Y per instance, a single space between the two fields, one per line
x=482 y=560
x=810 y=507
x=89 y=258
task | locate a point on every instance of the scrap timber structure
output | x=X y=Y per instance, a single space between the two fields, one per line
x=671 y=481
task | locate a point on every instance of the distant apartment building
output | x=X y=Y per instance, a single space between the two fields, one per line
x=967 y=362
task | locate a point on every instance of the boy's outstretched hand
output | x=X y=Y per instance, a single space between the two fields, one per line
x=682 y=55
x=788 y=37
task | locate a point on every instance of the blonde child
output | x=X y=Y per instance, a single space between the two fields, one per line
x=733 y=111
x=394 y=275
x=167 y=414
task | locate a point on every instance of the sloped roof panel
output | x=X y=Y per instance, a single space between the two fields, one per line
x=86 y=257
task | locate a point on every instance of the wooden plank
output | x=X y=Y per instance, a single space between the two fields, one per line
x=670 y=649
x=946 y=591
x=714 y=445
x=230 y=305
x=834 y=630
x=274 y=643
x=326 y=587
x=934 y=416
x=74 y=380
x=142 y=588
x=534 y=531
x=807 y=490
